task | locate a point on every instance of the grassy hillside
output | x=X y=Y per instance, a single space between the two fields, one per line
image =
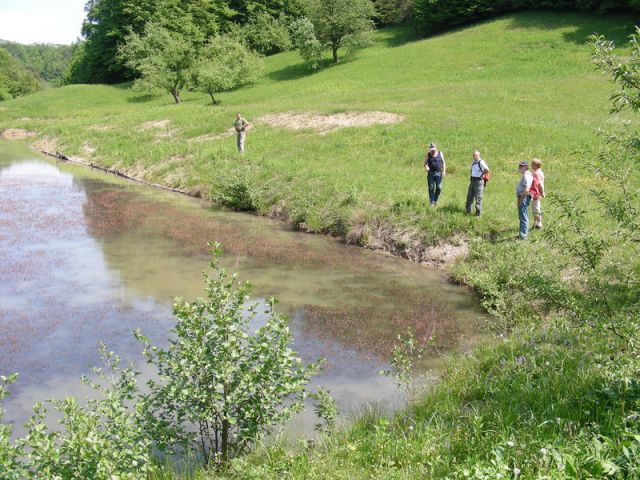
x=532 y=93
x=557 y=396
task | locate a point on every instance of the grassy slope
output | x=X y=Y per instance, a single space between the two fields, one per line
x=547 y=403
x=533 y=93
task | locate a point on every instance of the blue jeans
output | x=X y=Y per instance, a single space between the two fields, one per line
x=523 y=214
x=434 y=181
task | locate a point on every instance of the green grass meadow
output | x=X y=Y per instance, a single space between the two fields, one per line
x=516 y=87
x=546 y=400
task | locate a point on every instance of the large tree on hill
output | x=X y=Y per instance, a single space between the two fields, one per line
x=248 y=9
x=338 y=23
x=107 y=24
x=163 y=59
x=224 y=64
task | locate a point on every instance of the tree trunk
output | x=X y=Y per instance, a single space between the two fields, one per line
x=334 y=50
x=213 y=100
x=176 y=94
x=224 y=447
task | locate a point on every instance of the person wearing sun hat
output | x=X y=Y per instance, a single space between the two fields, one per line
x=523 y=194
x=436 y=169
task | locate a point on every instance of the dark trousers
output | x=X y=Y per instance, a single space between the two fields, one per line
x=476 y=189
x=434 y=181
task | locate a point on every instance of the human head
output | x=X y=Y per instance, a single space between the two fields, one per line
x=433 y=147
x=238 y=116
x=476 y=155
x=523 y=166
x=536 y=163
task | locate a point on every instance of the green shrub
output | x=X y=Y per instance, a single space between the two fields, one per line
x=219 y=379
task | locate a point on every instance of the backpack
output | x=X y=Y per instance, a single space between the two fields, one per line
x=486 y=176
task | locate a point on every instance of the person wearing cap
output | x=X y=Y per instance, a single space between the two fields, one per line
x=436 y=169
x=523 y=193
x=537 y=192
x=240 y=126
x=476 y=183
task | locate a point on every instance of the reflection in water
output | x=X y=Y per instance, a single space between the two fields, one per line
x=88 y=258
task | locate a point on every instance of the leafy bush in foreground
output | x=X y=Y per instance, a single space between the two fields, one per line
x=216 y=376
x=232 y=384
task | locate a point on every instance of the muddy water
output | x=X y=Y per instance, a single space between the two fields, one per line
x=85 y=257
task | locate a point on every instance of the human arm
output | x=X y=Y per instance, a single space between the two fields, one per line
x=444 y=165
x=528 y=182
x=426 y=162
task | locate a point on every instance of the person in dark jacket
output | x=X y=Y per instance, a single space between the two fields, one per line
x=436 y=169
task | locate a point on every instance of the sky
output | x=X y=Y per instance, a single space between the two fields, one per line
x=41 y=21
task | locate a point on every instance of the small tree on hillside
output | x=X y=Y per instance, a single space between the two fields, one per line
x=163 y=59
x=225 y=64
x=340 y=23
x=306 y=42
x=216 y=376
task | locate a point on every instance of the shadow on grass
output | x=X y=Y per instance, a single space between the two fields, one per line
x=452 y=208
x=614 y=27
x=291 y=72
x=397 y=36
x=300 y=70
x=143 y=98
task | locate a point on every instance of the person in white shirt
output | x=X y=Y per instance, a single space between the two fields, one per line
x=476 y=183
x=523 y=194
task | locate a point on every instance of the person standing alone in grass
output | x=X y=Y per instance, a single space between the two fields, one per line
x=523 y=193
x=241 y=131
x=436 y=169
x=476 y=183
x=537 y=192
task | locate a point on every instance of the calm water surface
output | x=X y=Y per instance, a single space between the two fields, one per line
x=85 y=257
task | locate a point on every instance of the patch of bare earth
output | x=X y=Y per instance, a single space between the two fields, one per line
x=88 y=149
x=404 y=243
x=324 y=124
x=171 y=171
x=155 y=124
x=46 y=145
x=163 y=128
x=213 y=136
x=100 y=128
x=321 y=124
x=16 y=134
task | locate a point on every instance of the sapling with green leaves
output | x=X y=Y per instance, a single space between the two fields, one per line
x=339 y=23
x=326 y=410
x=101 y=440
x=606 y=297
x=224 y=64
x=407 y=354
x=11 y=466
x=305 y=40
x=163 y=59
x=219 y=386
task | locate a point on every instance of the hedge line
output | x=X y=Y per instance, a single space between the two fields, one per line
x=436 y=14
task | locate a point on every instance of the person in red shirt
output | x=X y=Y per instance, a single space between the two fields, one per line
x=537 y=192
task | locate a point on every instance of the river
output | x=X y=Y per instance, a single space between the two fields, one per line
x=87 y=257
